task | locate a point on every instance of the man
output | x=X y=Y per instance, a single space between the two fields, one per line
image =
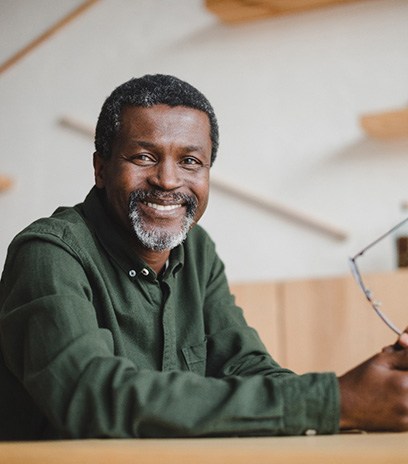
x=116 y=319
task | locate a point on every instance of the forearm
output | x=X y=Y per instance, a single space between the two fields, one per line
x=68 y=366
x=55 y=345
x=113 y=399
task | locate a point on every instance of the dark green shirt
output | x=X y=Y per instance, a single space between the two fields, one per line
x=95 y=344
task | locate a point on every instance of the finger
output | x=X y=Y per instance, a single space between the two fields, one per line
x=402 y=341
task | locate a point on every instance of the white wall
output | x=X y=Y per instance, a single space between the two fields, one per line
x=288 y=92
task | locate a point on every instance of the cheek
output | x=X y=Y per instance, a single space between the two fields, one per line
x=202 y=193
x=125 y=182
x=118 y=194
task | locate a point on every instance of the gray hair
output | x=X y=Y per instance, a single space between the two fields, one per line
x=148 y=91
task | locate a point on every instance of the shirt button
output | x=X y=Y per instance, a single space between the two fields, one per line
x=145 y=272
x=132 y=273
x=310 y=432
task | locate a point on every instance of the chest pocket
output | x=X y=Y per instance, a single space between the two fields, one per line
x=196 y=357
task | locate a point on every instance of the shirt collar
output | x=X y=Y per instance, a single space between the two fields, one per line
x=116 y=242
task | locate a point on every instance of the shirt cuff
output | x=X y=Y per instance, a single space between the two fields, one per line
x=312 y=405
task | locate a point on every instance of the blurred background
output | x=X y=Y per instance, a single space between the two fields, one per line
x=299 y=184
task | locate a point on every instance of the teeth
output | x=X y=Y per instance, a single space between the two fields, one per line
x=163 y=207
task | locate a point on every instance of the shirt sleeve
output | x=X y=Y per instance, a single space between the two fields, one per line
x=53 y=344
x=308 y=402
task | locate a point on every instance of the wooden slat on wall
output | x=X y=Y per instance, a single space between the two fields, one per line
x=5 y=183
x=324 y=324
x=260 y=302
x=14 y=59
x=387 y=124
x=329 y=324
x=242 y=10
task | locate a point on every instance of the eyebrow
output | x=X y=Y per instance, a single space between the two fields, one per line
x=143 y=144
x=151 y=145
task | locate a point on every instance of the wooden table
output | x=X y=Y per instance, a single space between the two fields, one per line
x=343 y=449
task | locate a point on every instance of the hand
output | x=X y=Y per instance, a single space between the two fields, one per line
x=374 y=395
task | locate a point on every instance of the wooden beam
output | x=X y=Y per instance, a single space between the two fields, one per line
x=386 y=125
x=5 y=183
x=278 y=208
x=14 y=59
x=77 y=126
x=233 y=11
x=237 y=191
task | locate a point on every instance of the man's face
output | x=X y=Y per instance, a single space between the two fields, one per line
x=157 y=178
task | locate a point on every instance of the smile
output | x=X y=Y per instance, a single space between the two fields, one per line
x=162 y=207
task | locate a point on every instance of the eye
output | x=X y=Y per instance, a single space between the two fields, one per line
x=141 y=159
x=191 y=162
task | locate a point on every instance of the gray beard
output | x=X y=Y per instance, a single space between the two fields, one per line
x=159 y=239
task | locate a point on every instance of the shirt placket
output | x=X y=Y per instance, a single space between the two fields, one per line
x=169 y=331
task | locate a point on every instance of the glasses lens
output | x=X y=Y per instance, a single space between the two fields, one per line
x=384 y=289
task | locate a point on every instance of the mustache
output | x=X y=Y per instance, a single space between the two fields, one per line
x=189 y=201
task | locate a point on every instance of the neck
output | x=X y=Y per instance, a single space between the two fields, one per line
x=156 y=260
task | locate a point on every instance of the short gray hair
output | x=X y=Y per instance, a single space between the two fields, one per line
x=148 y=91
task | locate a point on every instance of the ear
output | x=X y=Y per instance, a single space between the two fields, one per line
x=99 y=164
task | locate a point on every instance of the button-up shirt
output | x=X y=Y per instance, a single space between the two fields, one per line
x=95 y=344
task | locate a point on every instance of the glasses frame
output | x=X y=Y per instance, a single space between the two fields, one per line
x=375 y=304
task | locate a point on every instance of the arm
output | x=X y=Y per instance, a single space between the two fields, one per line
x=234 y=348
x=374 y=396
x=55 y=347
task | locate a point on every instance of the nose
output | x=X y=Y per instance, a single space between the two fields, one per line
x=165 y=175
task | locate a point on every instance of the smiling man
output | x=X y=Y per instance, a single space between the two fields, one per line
x=116 y=319
x=156 y=177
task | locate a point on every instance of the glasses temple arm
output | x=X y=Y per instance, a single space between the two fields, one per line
x=379 y=239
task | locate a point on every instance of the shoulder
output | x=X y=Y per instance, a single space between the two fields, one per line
x=65 y=227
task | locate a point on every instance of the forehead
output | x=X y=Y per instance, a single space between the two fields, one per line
x=165 y=122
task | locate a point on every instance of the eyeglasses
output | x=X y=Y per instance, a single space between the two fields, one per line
x=376 y=305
